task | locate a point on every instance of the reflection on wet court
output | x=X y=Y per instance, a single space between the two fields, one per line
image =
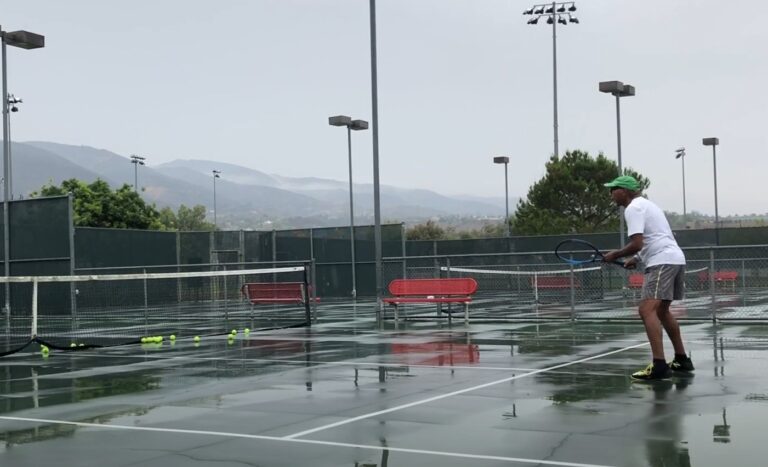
x=353 y=391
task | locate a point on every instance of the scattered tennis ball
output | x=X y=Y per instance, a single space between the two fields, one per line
x=234 y=332
x=172 y=337
x=73 y=345
x=44 y=349
x=196 y=339
x=143 y=340
x=159 y=339
x=247 y=331
x=81 y=345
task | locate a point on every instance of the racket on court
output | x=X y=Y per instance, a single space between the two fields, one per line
x=574 y=251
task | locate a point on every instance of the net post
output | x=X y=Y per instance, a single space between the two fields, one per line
x=712 y=284
x=307 y=300
x=146 y=311
x=226 y=297
x=34 y=308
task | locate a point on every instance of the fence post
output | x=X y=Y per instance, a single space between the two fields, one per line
x=712 y=284
x=573 y=294
x=743 y=280
x=404 y=250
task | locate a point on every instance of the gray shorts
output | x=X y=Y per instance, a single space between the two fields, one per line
x=664 y=282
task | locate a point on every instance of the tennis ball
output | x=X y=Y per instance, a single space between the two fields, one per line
x=172 y=337
x=44 y=348
x=73 y=345
x=81 y=345
x=159 y=339
x=196 y=339
x=143 y=340
x=234 y=331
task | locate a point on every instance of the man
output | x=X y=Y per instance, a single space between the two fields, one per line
x=651 y=242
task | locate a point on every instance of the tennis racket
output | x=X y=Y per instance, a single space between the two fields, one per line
x=574 y=251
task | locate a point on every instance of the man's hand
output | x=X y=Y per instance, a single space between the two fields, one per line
x=611 y=256
x=630 y=263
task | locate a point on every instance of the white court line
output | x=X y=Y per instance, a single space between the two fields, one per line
x=304 y=441
x=454 y=393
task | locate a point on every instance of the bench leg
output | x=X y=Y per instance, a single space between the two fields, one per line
x=466 y=314
x=395 y=313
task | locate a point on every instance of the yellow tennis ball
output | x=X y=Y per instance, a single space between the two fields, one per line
x=81 y=345
x=196 y=339
x=159 y=339
x=247 y=331
x=143 y=340
x=73 y=345
x=172 y=337
x=234 y=331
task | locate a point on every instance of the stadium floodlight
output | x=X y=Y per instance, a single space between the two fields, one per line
x=352 y=125
x=505 y=160
x=216 y=174
x=12 y=101
x=553 y=12
x=137 y=161
x=618 y=90
x=572 y=8
x=23 y=40
x=680 y=154
x=573 y=19
x=714 y=142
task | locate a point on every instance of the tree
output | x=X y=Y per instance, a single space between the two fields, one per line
x=186 y=219
x=428 y=231
x=97 y=205
x=571 y=197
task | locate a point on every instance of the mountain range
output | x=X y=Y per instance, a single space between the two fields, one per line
x=245 y=197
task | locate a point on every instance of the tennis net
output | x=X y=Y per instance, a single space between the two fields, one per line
x=86 y=311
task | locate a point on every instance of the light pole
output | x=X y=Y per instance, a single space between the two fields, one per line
x=555 y=13
x=136 y=161
x=23 y=40
x=343 y=120
x=680 y=154
x=12 y=101
x=375 y=123
x=714 y=142
x=618 y=90
x=216 y=174
x=505 y=160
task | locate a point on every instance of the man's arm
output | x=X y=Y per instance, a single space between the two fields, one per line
x=634 y=246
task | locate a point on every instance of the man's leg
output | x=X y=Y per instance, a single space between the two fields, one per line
x=671 y=327
x=649 y=309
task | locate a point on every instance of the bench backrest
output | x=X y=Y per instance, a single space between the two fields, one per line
x=274 y=290
x=719 y=276
x=437 y=287
x=636 y=280
x=554 y=281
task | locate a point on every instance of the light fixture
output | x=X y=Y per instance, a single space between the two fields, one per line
x=573 y=19
x=533 y=20
x=561 y=9
x=550 y=20
x=572 y=8
x=562 y=20
x=539 y=11
x=529 y=11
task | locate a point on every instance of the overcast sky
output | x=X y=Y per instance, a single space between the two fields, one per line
x=252 y=82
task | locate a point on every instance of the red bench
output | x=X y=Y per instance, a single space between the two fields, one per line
x=274 y=292
x=554 y=282
x=721 y=277
x=458 y=290
x=636 y=280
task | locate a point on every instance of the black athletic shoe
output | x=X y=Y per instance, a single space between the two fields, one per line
x=680 y=365
x=653 y=372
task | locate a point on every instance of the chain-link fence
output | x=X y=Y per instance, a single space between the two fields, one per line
x=723 y=283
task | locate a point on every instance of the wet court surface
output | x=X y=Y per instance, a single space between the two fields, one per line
x=425 y=394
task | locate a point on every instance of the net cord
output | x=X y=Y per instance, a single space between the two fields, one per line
x=155 y=275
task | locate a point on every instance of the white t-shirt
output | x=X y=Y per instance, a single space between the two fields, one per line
x=659 y=244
